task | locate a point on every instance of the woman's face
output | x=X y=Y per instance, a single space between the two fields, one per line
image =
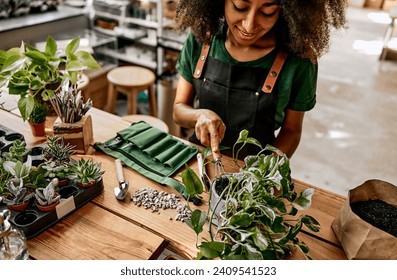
x=250 y=20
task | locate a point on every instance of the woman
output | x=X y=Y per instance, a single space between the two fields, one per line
x=251 y=64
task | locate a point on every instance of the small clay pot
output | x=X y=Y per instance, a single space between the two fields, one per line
x=19 y=207
x=46 y=208
x=38 y=129
x=87 y=185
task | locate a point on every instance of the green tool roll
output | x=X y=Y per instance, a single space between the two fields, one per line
x=151 y=152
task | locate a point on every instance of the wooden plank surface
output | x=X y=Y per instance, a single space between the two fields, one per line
x=94 y=233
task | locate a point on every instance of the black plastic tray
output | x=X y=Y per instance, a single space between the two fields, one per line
x=33 y=221
x=7 y=137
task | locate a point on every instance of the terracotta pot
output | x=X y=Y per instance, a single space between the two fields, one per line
x=87 y=185
x=19 y=207
x=63 y=182
x=38 y=129
x=46 y=208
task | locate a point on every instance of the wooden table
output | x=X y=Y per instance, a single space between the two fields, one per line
x=106 y=228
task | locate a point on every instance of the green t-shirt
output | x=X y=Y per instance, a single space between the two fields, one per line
x=297 y=80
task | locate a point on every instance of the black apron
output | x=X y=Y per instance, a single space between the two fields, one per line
x=241 y=96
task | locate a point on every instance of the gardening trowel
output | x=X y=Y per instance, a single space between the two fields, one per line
x=121 y=191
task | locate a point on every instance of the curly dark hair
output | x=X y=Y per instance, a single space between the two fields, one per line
x=304 y=27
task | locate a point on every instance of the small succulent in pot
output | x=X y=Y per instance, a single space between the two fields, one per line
x=58 y=151
x=17 y=197
x=85 y=172
x=69 y=104
x=48 y=196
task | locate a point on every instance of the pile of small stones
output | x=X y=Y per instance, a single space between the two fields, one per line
x=155 y=200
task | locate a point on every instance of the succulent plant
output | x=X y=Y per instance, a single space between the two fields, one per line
x=18 y=169
x=85 y=171
x=16 y=152
x=52 y=170
x=17 y=193
x=57 y=151
x=48 y=195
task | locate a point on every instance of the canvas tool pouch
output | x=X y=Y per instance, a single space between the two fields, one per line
x=151 y=152
x=360 y=240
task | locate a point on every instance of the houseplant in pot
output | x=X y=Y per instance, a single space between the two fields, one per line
x=258 y=219
x=37 y=119
x=57 y=156
x=85 y=172
x=46 y=199
x=36 y=75
x=17 y=196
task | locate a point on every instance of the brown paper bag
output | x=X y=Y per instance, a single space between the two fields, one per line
x=360 y=240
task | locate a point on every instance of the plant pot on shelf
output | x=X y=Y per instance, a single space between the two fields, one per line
x=38 y=129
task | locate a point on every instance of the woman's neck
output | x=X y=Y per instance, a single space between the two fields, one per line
x=252 y=52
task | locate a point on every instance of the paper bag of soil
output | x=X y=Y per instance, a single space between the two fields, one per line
x=360 y=239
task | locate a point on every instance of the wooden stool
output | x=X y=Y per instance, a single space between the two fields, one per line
x=131 y=80
x=153 y=121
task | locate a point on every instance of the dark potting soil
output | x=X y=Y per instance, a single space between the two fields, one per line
x=377 y=213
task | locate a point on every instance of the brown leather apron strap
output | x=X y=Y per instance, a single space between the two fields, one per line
x=201 y=61
x=271 y=78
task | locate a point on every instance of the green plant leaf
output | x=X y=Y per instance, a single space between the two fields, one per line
x=197 y=221
x=12 y=63
x=36 y=56
x=212 y=250
x=259 y=239
x=72 y=47
x=25 y=106
x=311 y=223
x=303 y=200
x=191 y=181
x=242 y=219
x=51 y=46
x=87 y=59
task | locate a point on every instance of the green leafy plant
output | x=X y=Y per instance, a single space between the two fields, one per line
x=85 y=171
x=57 y=150
x=36 y=75
x=39 y=113
x=258 y=217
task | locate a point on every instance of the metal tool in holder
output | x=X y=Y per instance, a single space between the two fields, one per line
x=12 y=241
x=121 y=191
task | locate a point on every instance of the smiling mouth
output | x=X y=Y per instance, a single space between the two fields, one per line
x=246 y=34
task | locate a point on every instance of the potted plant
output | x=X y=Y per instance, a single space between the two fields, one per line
x=36 y=75
x=57 y=156
x=37 y=119
x=258 y=219
x=17 y=196
x=85 y=172
x=47 y=198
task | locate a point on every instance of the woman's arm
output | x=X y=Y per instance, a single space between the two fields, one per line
x=290 y=133
x=208 y=126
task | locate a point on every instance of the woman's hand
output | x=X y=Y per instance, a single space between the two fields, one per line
x=210 y=130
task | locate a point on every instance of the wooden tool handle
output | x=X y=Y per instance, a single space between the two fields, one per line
x=119 y=170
